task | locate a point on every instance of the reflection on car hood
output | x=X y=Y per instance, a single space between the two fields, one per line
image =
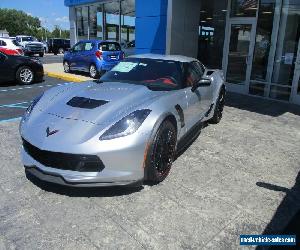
x=116 y=99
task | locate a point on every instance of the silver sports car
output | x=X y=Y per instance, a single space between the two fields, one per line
x=126 y=127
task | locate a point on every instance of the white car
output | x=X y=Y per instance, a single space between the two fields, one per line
x=10 y=44
x=31 y=45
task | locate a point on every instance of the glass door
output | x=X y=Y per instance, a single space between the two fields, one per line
x=239 y=54
x=296 y=80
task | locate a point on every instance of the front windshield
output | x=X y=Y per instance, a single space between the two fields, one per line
x=28 y=39
x=156 y=74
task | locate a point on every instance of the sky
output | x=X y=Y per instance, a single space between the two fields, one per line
x=50 y=12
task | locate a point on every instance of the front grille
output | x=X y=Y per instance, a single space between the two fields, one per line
x=74 y=162
x=34 y=47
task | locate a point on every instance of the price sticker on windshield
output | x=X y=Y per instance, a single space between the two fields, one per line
x=124 y=67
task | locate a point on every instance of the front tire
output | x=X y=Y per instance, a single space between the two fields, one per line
x=25 y=75
x=94 y=73
x=41 y=54
x=61 y=51
x=67 y=67
x=161 y=153
x=218 y=113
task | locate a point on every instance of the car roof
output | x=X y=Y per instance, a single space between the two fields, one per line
x=177 y=58
x=98 y=41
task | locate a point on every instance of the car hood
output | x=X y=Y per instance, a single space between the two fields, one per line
x=98 y=104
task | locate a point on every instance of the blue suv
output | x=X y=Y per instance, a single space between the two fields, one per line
x=93 y=56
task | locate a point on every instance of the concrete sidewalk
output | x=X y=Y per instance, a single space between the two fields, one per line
x=56 y=70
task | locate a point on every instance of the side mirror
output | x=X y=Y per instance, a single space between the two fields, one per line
x=204 y=82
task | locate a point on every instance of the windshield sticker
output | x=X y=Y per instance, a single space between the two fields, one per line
x=124 y=67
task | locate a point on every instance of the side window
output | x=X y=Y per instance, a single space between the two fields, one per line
x=88 y=46
x=199 y=68
x=78 y=47
x=2 y=43
x=192 y=75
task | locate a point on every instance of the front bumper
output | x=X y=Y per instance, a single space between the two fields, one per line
x=107 y=66
x=123 y=167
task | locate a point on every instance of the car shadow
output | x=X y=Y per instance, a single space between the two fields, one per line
x=287 y=215
x=260 y=105
x=83 y=192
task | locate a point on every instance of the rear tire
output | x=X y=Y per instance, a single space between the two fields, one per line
x=61 y=51
x=94 y=73
x=161 y=153
x=41 y=54
x=218 y=112
x=25 y=75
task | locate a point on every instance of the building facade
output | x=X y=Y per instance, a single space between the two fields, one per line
x=255 y=42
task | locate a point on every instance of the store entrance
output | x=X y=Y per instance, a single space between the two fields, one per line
x=238 y=54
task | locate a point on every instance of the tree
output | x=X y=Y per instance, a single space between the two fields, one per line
x=18 y=22
x=59 y=33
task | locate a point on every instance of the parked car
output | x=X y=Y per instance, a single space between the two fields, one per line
x=31 y=45
x=23 y=69
x=58 y=45
x=124 y=129
x=45 y=45
x=11 y=44
x=93 y=56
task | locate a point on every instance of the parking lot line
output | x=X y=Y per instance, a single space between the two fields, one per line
x=14 y=105
x=11 y=120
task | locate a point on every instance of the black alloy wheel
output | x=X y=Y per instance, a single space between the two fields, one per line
x=218 y=113
x=161 y=153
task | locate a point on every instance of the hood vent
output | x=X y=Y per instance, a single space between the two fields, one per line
x=85 y=103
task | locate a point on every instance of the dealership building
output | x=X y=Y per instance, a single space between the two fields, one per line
x=255 y=42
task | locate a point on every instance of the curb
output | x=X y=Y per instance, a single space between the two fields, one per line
x=64 y=77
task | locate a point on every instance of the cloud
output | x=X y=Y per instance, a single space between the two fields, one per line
x=63 y=19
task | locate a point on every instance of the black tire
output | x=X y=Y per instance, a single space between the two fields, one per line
x=66 y=67
x=25 y=75
x=41 y=54
x=218 y=112
x=161 y=153
x=94 y=73
x=61 y=51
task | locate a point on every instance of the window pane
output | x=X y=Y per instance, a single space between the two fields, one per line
x=112 y=20
x=93 y=20
x=128 y=26
x=263 y=40
x=238 y=53
x=212 y=32
x=82 y=22
x=287 y=44
x=280 y=93
x=243 y=8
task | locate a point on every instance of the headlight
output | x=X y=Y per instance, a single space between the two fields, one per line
x=126 y=126
x=31 y=106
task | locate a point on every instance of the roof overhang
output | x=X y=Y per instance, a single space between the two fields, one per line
x=71 y=3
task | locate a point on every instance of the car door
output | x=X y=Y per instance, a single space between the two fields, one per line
x=6 y=68
x=87 y=55
x=206 y=91
x=75 y=56
x=197 y=100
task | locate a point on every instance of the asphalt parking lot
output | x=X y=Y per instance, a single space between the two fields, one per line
x=238 y=177
x=14 y=99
